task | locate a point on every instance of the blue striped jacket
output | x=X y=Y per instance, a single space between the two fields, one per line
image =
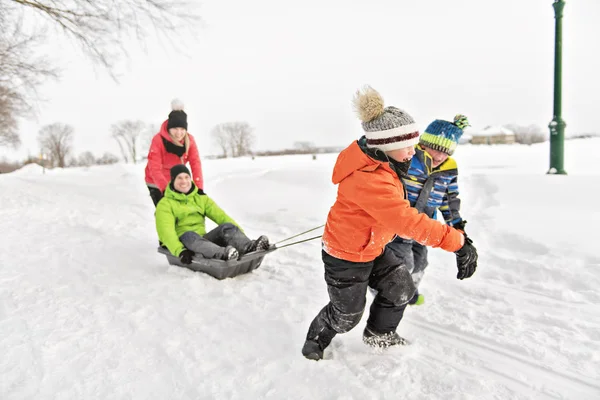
x=443 y=189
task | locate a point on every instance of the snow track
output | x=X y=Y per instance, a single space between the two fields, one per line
x=89 y=310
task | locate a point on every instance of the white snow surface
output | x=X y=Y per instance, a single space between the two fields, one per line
x=90 y=310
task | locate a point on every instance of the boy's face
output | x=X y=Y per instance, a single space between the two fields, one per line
x=401 y=155
x=437 y=157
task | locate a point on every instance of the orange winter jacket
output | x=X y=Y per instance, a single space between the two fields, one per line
x=371 y=209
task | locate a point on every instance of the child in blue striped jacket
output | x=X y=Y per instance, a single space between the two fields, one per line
x=432 y=184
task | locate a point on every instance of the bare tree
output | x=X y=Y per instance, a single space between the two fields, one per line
x=86 y=159
x=221 y=137
x=243 y=139
x=20 y=73
x=304 y=146
x=56 y=140
x=128 y=135
x=71 y=162
x=234 y=138
x=107 y=158
x=100 y=26
x=528 y=134
x=8 y=123
x=8 y=166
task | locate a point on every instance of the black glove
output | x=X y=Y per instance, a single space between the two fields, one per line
x=186 y=256
x=460 y=225
x=466 y=259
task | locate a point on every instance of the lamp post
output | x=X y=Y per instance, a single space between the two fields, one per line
x=557 y=125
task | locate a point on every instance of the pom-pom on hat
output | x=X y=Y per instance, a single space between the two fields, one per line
x=386 y=128
x=177 y=117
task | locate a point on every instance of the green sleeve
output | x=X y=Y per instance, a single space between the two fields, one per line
x=216 y=213
x=165 y=227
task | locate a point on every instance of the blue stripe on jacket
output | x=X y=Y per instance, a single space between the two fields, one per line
x=444 y=193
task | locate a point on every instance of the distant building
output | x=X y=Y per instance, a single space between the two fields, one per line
x=493 y=135
x=466 y=136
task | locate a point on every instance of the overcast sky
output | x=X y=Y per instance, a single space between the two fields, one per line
x=291 y=68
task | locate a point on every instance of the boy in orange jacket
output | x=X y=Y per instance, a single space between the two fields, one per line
x=370 y=209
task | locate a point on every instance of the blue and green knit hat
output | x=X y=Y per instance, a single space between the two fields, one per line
x=442 y=135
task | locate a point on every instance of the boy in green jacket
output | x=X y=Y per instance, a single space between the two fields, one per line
x=180 y=223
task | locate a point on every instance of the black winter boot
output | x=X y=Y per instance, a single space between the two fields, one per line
x=382 y=340
x=312 y=350
x=260 y=244
x=317 y=340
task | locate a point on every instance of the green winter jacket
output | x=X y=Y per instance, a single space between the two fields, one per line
x=177 y=213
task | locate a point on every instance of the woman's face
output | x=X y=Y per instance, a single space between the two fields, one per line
x=178 y=133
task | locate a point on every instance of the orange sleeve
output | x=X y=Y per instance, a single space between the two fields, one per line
x=378 y=196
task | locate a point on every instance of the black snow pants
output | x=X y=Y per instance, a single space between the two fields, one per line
x=411 y=254
x=347 y=284
x=213 y=243
x=155 y=194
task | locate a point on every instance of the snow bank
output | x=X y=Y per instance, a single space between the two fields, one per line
x=89 y=310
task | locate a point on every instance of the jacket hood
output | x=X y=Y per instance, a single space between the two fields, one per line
x=358 y=157
x=173 y=194
x=351 y=159
x=164 y=132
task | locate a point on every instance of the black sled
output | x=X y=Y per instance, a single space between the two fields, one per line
x=220 y=269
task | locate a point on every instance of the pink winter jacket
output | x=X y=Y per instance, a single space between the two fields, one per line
x=160 y=161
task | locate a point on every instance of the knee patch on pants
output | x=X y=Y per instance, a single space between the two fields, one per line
x=346 y=306
x=228 y=227
x=397 y=287
x=344 y=322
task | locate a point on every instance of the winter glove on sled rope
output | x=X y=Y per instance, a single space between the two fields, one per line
x=466 y=259
x=460 y=226
x=186 y=256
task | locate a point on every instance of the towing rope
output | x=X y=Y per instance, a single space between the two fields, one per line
x=298 y=242
x=300 y=234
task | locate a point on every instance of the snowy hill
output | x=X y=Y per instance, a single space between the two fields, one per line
x=90 y=310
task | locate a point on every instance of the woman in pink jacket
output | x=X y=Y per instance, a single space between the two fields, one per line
x=171 y=146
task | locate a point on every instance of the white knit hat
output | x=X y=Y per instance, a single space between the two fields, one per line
x=386 y=128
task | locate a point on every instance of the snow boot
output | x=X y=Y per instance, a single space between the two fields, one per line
x=317 y=340
x=230 y=253
x=260 y=244
x=312 y=350
x=382 y=340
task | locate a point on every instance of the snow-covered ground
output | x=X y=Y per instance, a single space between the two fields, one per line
x=90 y=310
